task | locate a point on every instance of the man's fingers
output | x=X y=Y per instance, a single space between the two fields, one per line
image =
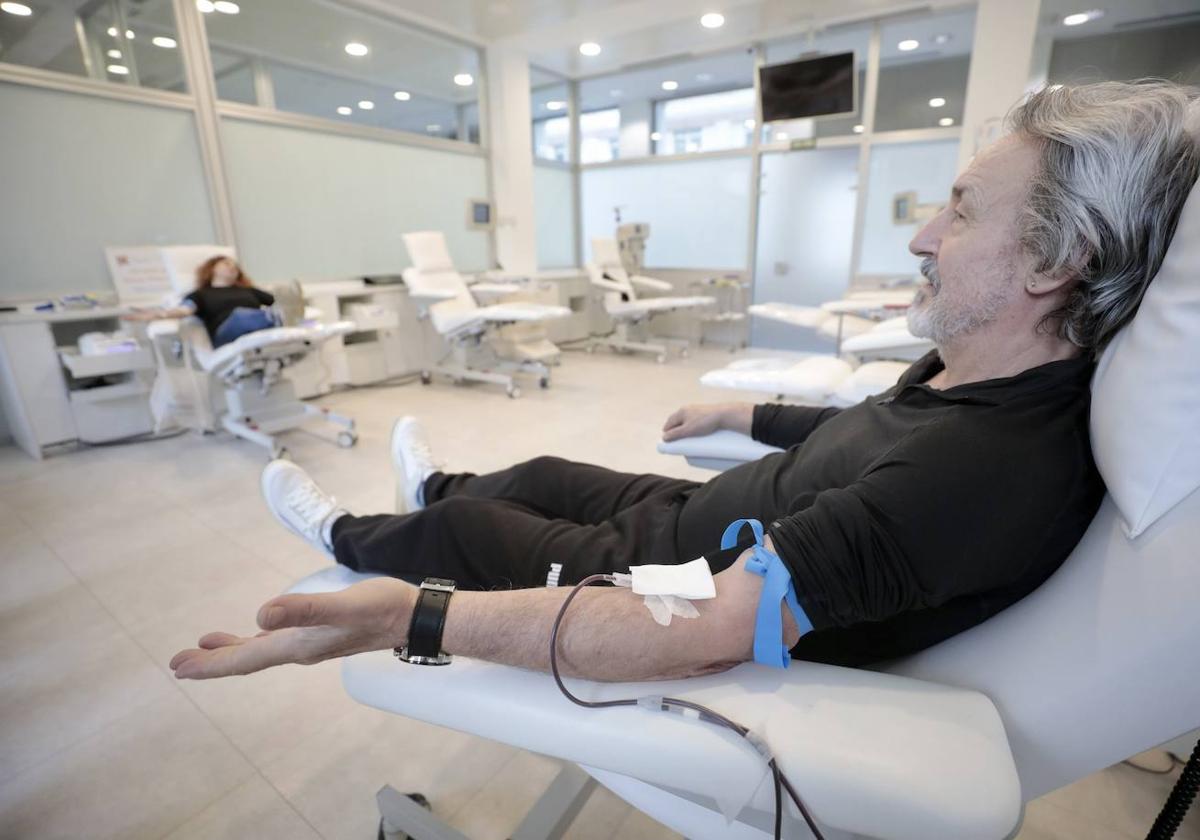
x=209 y=641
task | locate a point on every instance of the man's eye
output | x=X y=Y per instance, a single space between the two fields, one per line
x=959 y=215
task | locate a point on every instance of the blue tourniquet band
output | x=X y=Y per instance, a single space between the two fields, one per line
x=778 y=587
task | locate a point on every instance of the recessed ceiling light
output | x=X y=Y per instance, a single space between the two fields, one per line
x=589 y=48
x=129 y=36
x=670 y=85
x=781 y=135
x=366 y=104
x=937 y=102
x=941 y=39
x=164 y=42
x=1083 y=17
x=464 y=80
x=946 y=121
x=712 y=20
x=113 y=53
x=112 y=31
x=356 y=49
x=858 y=129
x=433 y=128
x=226 y=8
x=655 y=136
x=907 y=45
x=704 y=77
x=345 y=110
x=205 y=6
x=555 y=105
x=117 y=69
x=402 y=95
x=18 y=9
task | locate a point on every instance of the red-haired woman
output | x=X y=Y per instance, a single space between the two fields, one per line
x=225 y=300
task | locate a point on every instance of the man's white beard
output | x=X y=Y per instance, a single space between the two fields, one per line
x=939 y=317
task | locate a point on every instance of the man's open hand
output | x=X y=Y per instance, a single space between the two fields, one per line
x=306 y=629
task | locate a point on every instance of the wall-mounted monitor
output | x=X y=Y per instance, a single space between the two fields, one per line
x=811 y=87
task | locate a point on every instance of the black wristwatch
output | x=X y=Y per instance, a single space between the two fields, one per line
x=425 y=630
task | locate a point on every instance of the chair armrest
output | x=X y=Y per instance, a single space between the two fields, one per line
x=597 y=278
x=651 y=283
x=723 y=445
x=871 y=754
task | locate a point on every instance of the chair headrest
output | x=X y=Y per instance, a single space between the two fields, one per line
x=428 y=252
x=606 y=254
x=1146 y=392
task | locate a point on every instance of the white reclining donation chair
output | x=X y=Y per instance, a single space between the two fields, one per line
x=1097 y=664
x=631 y=315
x=870 y=354
x=256 y=401
x=476 y=351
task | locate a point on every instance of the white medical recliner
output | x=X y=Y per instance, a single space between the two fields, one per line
x=471 y=331
x=631 y=315
x=257 y=401
x=1097 y=664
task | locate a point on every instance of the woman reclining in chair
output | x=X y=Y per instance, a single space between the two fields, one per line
x=224 y=299
x=899 y=521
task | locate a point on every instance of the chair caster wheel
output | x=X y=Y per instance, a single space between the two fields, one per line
x=346 y=439
x=281 y=452
x=661 y=358
x=420 y=799
x=426 y=377
x=544 y=382
x=513 y=391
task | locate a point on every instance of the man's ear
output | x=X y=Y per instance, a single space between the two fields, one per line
x=1051 y=282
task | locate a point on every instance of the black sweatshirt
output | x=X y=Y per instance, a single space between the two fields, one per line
x=920 y=512
x=214 y=303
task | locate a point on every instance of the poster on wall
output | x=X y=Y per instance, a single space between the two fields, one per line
x=139 y=274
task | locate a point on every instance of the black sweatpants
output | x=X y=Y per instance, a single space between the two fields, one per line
x=505 y=529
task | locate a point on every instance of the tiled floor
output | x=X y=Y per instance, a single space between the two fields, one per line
x=113 y=558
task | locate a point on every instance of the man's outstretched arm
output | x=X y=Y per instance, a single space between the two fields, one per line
x=608 y=634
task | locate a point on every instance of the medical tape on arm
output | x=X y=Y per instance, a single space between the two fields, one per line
x=669 y=590
x=778 y=589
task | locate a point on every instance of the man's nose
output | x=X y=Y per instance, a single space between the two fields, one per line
x=928 y=238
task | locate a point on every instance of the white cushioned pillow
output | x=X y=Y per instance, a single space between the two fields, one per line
x=1146 y=392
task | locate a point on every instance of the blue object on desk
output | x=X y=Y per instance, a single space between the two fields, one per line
x=48 y=306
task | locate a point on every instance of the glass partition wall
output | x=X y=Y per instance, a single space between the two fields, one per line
x=122 y=42
x=338 y=63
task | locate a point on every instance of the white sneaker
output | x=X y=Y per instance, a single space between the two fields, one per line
x=297 y=502
x=413 y=462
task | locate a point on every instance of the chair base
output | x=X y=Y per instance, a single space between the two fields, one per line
x=548 y=819
x=474 y=360
x=257 y=416
x=630 y=337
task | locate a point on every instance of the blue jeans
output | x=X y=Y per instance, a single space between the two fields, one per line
x=241 y=321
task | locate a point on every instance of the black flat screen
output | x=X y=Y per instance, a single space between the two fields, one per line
x=811 y=87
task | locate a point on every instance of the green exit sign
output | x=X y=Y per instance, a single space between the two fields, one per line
x=800 y=145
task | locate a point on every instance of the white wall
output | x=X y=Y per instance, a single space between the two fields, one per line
x=805 y=237
x=554 y=203
x=926 y=168
x=308 y=204
x=78 y=173
x=698 y=210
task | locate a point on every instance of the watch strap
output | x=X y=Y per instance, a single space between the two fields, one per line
x=428 y=621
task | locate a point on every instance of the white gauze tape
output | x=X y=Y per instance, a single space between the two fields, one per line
x=669 y=590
